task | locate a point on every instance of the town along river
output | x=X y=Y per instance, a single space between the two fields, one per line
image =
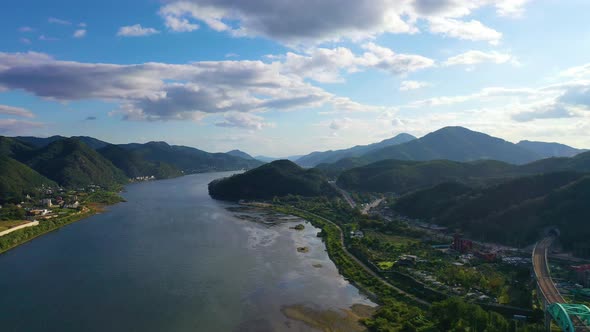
x=173 y=259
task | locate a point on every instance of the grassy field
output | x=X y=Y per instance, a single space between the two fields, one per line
x=4 y=225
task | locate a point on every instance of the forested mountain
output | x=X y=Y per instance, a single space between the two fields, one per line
x=241 y=154
x=40 y=142
x=17 y=179
x=71 y=163
x=190 y=160
x=133 y=165
x=513 y=212
x=548 y=150
x=403 y=176
x=278 y=178
x=316 y=158
x=457 y=144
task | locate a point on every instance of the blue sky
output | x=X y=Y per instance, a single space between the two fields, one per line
x=283 y=77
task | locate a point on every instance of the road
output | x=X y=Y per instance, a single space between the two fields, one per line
x=542 y=273
x=363 y=265
x=371 y=205
x=344 y=194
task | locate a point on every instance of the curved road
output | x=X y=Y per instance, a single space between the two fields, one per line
x=541 y=268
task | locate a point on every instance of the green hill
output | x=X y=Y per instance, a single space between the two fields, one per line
x=316 y=158
x=72 y=163
x=548 y=150
x=190 y=160
x=401 y=176
x=514 y=212
x=14 y=148
x=17 y=180
x=241 y=154
x=278 y=178
x=457 y=144
x=133 y=165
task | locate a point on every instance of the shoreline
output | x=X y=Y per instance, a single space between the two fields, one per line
x=93 y=209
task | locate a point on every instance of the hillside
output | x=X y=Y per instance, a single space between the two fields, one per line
x=133 y=165
x=278 y=178
x=40 y=142
x=402 y=176
x=241 y=154
x=548 y=150
x=13 y=148
x=514 y=212
x=316 y=158
x=189 y=160
x=457 y=144
x=71 y=163
x=17 y=179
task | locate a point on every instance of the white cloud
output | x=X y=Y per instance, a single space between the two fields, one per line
x=18 y=127
x=412 y=85
x=80 y=33
x=244 y=121
x=16 y=111
x=577 y=72
x=468 y=30
x=47 y=38
x=26 y=41
x=136 y=30
x=159 y=91
x=338 y=124
x=54 y=20
x=474 y=57
x=306 y=22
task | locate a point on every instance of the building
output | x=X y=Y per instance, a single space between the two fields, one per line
x=461 y=245
x=46 y=202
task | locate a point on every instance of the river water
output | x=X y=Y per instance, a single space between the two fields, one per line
x=169 y=259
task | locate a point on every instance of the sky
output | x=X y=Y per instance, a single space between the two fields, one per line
x=287 y=77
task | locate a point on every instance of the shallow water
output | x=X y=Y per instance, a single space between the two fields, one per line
x=169 y=259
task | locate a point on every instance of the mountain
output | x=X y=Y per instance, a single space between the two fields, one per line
x=17 y=180
x=13 y=148
x=316 y=158
x=40 y=142
x=133 y=165
x=401 y=176
x=71 y=163
x=241 y=154
x=189 y=160
x=548 y=150
x=278 y=178
x=514 y=212
x=267 y=159
x=457 y=144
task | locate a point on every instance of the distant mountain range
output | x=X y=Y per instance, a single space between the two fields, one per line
x=548 y=150
x=267 y=159
x=241 y=154
x=315 y=158
x=29 y=162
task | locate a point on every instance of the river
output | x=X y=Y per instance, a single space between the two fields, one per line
x=169 y=259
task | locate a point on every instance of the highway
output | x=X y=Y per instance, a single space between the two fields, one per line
x=344 y=194
x=542 y=273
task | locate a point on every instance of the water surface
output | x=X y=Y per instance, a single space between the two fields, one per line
x=169 y=259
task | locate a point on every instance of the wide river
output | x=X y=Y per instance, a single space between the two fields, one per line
x=169 y=259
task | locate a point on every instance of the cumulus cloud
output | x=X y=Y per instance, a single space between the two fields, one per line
x=326 y=65
x=244 y=121
x=474 y=57
x=136 y=30
x=468 y=30
x=16 y=111
x=577 y=72
x=315 y=22
x=159 y=91
x=338 y=124
x=80 y=33
x=412 y=85
x=16 y=127
x=548 y=111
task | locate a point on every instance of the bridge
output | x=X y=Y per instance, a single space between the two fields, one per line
x=569 y=317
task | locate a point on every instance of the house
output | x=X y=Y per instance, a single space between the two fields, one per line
x=74 y=205
x=357 y=235
x=46 y=202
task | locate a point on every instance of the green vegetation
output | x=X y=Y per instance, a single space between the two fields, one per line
x=11 y=212
x=72 y=163
x=133 y=165
x=514 y=212
x=279 y=178
x=17 y=179
x=190 y=160
x=104 y=198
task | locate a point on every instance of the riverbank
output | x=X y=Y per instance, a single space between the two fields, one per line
x=24 y=235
